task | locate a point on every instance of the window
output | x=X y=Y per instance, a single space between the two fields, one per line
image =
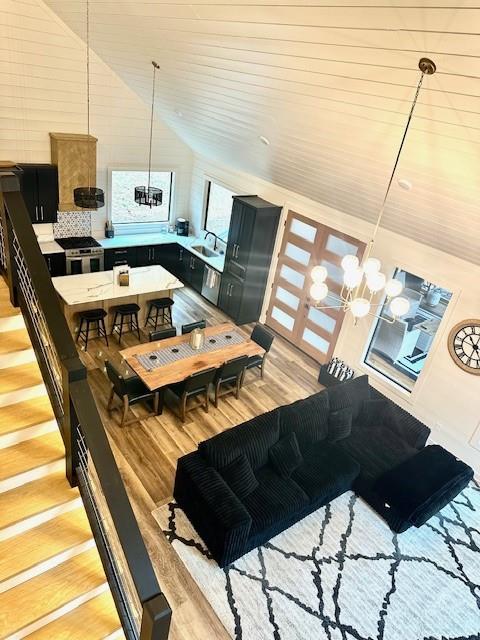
x=218 y=209
x=124 y=209
x=400 y=349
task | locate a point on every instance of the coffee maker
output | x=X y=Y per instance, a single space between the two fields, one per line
x=182 y=227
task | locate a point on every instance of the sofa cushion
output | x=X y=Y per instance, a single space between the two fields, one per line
x=307 y=418
x=275 y=500
x=374 y=412
x=376 y=449
x=253 y=438
x=424 y=484
x=239 y=476
x=285 y=455
x=326 y=472
x=339 y=424
x=349 y=394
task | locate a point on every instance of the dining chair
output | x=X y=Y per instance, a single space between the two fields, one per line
x=264 y=338
x=130 y=390
x=162 y=334
x=188 y=328
x=230 y=375
x=195 y=385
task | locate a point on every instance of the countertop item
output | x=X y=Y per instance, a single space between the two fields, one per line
x=100 y=286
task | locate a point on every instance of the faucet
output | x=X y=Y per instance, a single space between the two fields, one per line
x=210 y=233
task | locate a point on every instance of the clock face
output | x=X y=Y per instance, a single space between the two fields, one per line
x=464 y=345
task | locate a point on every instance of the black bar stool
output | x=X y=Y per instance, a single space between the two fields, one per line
x=159 y=306
x=92 y=317
x=128 y=314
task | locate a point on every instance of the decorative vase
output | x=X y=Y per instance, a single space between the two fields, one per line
x=197 y=338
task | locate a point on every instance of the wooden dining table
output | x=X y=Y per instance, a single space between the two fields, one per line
x=179 y=370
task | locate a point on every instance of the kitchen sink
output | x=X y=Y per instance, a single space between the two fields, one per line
x=205 y=251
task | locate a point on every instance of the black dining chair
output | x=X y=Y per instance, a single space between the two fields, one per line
x=130 y=390
x=264 y=338
x=195 y=385
x=229 y=375
x=188 y=328
x=162 y=334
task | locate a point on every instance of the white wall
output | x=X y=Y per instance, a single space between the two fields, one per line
x=43 y=89
x=446 y=398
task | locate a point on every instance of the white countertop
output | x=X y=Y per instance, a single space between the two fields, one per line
x=91 y=287
x=143 y=239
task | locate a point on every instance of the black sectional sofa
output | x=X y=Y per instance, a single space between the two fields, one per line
x=249 y=483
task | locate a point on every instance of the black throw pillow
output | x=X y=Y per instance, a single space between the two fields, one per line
x=240 y=477
x=339 y=424
x=285 y=455
x=373 y=412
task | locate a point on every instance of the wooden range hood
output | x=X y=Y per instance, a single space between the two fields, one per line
x=75 y=155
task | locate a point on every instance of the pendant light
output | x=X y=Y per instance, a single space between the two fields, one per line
x=361 y=282
x=88 y=197
x=150 y=196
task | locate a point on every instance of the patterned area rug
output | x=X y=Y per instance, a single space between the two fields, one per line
x=341 y=574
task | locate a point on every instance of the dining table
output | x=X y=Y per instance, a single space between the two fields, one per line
x=159 y=364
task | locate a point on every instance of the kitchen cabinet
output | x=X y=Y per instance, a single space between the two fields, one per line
x=146 y=256
x=248 y=256
x=193 y=268
x=39 y=187
x=56 y=263
x=116 y=257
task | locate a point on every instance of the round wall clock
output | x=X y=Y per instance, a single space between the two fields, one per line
x=464 y=345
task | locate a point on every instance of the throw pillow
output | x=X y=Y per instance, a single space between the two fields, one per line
x=240 y=477
x=339 y=424
x=351 y=393
x=373 y=412
x=307 y=418
x=285 y=455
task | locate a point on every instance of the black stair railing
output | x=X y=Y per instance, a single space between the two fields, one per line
x=90 y=464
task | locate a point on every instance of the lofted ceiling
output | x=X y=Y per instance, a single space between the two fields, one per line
x=329 y=83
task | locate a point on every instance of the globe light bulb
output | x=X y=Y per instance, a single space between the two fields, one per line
x=372 y=265
x=399 y=306
x=353 y=277
x=319 y=291
x=359 y=307
x=376 y=281
x=393 y=288
x=350 y=262
x=319 y=274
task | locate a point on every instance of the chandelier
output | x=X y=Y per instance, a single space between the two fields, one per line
x=150 y=196
x=363 y=281
x=88 y=197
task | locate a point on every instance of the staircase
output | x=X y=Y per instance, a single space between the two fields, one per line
x=52 y=583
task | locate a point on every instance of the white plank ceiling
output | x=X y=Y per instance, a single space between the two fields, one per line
x=329 y=83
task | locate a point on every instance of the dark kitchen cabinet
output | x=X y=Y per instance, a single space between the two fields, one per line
x=166 y=255
x=118 y=257
x=193 y=269
x=56 y=264
x=146 y=256
x=251 y=239
x=39 y=187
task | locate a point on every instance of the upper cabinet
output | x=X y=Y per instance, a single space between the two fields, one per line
x=76 y=158
x=39 y=187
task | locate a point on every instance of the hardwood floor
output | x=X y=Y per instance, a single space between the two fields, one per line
x=147 y=452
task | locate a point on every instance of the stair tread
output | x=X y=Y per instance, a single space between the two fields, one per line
x=30 y=454
x=43 y=542
x=34 y=497
x=94 y=620
x=19 y=377
x=27 y=413
x=40 y=596
x=15 y=340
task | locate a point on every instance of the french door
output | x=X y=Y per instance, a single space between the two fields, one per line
x=291 y=312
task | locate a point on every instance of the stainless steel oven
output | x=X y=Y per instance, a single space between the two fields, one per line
x=84 y=260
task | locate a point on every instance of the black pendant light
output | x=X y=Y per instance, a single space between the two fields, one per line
x=88 y=197
x=150 y=196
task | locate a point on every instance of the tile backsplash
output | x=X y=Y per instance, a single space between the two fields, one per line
x=73 y=224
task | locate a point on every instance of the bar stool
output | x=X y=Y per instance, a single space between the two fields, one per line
x=128 y=316
x=157 y=306
x=95 y=317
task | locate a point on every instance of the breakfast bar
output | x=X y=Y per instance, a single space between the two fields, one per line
x=87 y=291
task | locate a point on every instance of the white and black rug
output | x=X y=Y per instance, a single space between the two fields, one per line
x=341 y=574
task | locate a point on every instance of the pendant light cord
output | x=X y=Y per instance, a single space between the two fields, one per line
x=88 y=92
x=155 y=67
